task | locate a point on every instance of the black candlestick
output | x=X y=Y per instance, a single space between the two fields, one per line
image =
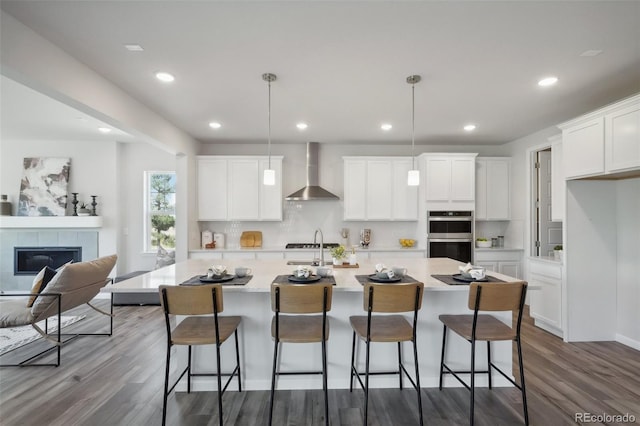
x=93 y=205
x=75 y=203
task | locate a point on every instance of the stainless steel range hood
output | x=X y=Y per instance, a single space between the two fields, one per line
x=313 y=191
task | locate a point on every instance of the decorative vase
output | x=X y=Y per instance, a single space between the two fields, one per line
x=5 y=206
x=557 y=255
x=337 y=261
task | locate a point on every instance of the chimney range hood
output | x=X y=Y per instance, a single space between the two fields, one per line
x=312 y=191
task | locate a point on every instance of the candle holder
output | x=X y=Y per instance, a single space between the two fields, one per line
x=93 y=205
x=75 y=203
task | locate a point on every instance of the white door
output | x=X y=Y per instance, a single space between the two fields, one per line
x=549 y=232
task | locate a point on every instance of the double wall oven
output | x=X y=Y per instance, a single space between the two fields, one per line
x=450 y=234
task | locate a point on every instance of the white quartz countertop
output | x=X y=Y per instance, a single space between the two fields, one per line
x=307 y=250
x=264 y=272
x=498 y=249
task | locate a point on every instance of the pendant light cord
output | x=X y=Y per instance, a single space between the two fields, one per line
x=269 y=118
x=413 y=125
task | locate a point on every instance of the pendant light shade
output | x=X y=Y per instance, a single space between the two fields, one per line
x=413 y=177
x=269 y=177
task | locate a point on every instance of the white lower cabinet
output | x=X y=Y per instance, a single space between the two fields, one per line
x=507 y=262
x=545 y=302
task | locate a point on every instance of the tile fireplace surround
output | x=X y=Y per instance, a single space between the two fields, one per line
x=63 y=231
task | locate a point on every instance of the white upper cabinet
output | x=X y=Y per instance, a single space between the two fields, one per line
x=231 y=188
x=606 y=141
x=493 y=188
x=450 y=179
x=375 y=188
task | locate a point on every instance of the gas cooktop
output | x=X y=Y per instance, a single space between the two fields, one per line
x=310 y=245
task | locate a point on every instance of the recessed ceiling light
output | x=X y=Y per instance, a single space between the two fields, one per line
x=104 y=130
x=302 y=126
x=548 y=81
x=591 y=53
x=133 y=47
x=215 y=125
x=386 y=127
x=165 y=77
x=470 y=127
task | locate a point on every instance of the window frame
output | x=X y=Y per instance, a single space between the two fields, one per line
x=148 y=213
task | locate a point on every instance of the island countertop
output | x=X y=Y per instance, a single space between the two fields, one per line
x=264 y=272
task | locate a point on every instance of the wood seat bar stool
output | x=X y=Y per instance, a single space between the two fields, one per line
x=487 y=297
x=387 y=298
x=292 y=323
x=198 y=328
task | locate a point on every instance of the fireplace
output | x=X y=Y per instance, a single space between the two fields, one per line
x=30 y=260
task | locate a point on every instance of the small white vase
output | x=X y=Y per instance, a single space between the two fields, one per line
x=337 y=261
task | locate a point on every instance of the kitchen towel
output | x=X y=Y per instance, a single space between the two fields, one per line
x=364 y=279
x=448 y=279
x=195 y=280
x=284 y=279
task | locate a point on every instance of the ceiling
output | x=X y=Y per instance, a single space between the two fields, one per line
x=342 y=66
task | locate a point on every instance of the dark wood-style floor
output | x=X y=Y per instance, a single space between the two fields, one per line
x=118 y=381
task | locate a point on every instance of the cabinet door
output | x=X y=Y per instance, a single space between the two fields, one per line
x=438 y=179
x=481 y=189
x=545 y=302
x=270 y=195
x=583 y=147
x=355 y=187
x=244 y=193
x=558 y=183
x=497 y=189
x=510 y=268
x=622 y=139
x=404 y=198
x=489 y=266
x=212 y=189
x=379 y=189
x=463 y=176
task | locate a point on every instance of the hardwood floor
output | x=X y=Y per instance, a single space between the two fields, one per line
x=118 y=381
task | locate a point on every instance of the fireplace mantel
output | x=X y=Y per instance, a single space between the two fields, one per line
x=53 y=222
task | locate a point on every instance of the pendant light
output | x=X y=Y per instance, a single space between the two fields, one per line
x=413 y=177
x=269 y=174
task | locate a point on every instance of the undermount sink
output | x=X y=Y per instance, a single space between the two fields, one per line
x=303 y=262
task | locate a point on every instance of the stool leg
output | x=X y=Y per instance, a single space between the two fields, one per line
x=524 y=393
x=366 y=386
x=415 y=357
x=473 y=380
x=400 y=364
x=166 y=386
x=353 y=355
x=444 y=343
x=489 y=361
x=189 y=370
x=273 y=379
x=238 y=362
x=219 y=384
x=324 y=382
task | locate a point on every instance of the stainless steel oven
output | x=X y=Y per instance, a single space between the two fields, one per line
x=450 y=234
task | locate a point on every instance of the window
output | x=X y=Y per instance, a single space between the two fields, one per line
x=160 y=210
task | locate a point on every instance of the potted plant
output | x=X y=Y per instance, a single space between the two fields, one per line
x=482 y=242
x=338 y=253
x=557 y=253
x=84 y=210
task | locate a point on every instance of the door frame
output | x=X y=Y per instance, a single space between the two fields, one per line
x=531 y=160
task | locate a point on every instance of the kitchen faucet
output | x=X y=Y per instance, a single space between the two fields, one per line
x=321 y=259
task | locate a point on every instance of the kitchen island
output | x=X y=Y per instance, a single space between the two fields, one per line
x=252 y=302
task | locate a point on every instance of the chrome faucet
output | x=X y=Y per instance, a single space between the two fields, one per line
x=321 y=259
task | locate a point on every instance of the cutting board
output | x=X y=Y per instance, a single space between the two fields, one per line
x=251 y=239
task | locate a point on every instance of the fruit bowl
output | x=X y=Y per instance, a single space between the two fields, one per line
x=407 y=242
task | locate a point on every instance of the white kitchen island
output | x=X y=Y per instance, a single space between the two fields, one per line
x=252 y=302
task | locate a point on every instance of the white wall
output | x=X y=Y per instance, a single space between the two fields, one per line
x=93 y=171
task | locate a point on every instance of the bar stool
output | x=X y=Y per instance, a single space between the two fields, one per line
x=299 y=300
x=387 y=298
x=198 y=328
x=487 y=297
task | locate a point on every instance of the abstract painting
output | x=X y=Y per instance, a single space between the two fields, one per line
x=43 y=190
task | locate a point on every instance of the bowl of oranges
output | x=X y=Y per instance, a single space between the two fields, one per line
x=407 y=242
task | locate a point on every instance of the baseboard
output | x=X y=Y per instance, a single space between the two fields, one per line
x=549 y=328
x=635 y=344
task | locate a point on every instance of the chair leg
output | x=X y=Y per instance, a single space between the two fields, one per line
x=366 y=385
x=238 y=363
x=273 y=379
x=166 y=386
x=324 y=382
x=400 y=364
x=522 y=387
x=353 y=355
x=444 y=343
x=189 y=371
x=473 y=380
x=219 y=384
x=419 y=389
x=489 y=361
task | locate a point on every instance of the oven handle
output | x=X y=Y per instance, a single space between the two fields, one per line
x=450 y=240
x=451 y=219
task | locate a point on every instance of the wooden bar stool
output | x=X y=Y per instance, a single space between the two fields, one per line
x=487 y=297
x=387 y=298
x=300 y=300
x=198 y=328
